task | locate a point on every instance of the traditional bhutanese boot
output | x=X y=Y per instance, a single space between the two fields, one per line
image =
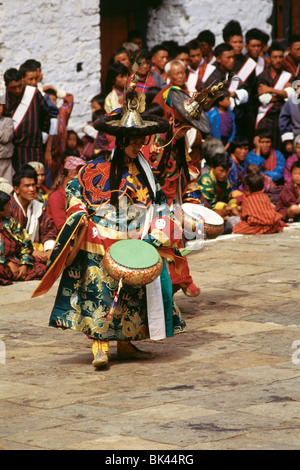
x=191 y=290
x=126 y=350
x=100 y=351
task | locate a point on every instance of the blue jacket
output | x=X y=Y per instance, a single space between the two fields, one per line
x=275 y=174
x=214 y=119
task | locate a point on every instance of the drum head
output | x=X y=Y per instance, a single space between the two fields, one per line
x=210 y=216
x=134 y=254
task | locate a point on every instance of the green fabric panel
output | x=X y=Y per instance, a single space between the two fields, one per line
x=167 y=292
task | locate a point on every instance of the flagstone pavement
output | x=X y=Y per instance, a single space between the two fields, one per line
x=230 y=381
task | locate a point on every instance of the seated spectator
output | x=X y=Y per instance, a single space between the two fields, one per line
x=56 y=207
x=26 y=210
x=270 y=188
x=257 y=213
x=16 y=259
x=239 y=148
x=115 y=85
x=270 y=161
x=6 y=144
x=222 y=120
x=41 y=190
x=288 y=203
x=287 y=174
x=69 y=153
x=216 y=188
x=209 y=148
x=5 y=186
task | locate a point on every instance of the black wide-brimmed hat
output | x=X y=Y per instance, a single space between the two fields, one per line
x=189 y=109
x=130 y=123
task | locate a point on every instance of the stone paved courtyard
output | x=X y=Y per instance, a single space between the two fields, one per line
x=231 y=381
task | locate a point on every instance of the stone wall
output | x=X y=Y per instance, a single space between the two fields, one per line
x=64 y=37
x=183 y=20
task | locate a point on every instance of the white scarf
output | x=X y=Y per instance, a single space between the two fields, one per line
x=33 y=213
x=155 y=304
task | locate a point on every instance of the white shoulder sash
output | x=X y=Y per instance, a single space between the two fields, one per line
x=243 y=74
x=260 y=65
x=23 y=106
x=280 y=84
x=208 y=71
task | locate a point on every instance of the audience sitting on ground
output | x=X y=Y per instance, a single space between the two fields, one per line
x=287 y=175
x=288 y=203
x=257 y=214
x=17 y=262
x=29 y=212
x=238 y=149
x=199 y=63
x=269 y=160
x=216 y=188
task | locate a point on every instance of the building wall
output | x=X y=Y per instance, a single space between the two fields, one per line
x=182 y=20
x=60 y=35
x=65 y=37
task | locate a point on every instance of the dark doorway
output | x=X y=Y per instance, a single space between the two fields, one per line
x=117 y=18
x=285 y=19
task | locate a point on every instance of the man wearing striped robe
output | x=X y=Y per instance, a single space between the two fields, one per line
x=31 y=116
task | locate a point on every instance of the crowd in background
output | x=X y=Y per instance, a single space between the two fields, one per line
x=254 y=138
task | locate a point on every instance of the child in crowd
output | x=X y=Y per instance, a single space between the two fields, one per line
x=222 y=120
x=239 y=148
x=287 y=174
x=257 y=213
x=97 y=102
x=270 y=188
x=73 y=141
x=6 y=144
x=115 y=85
x=288 y=203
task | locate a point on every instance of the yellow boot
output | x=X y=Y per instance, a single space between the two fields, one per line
x=100 y=351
